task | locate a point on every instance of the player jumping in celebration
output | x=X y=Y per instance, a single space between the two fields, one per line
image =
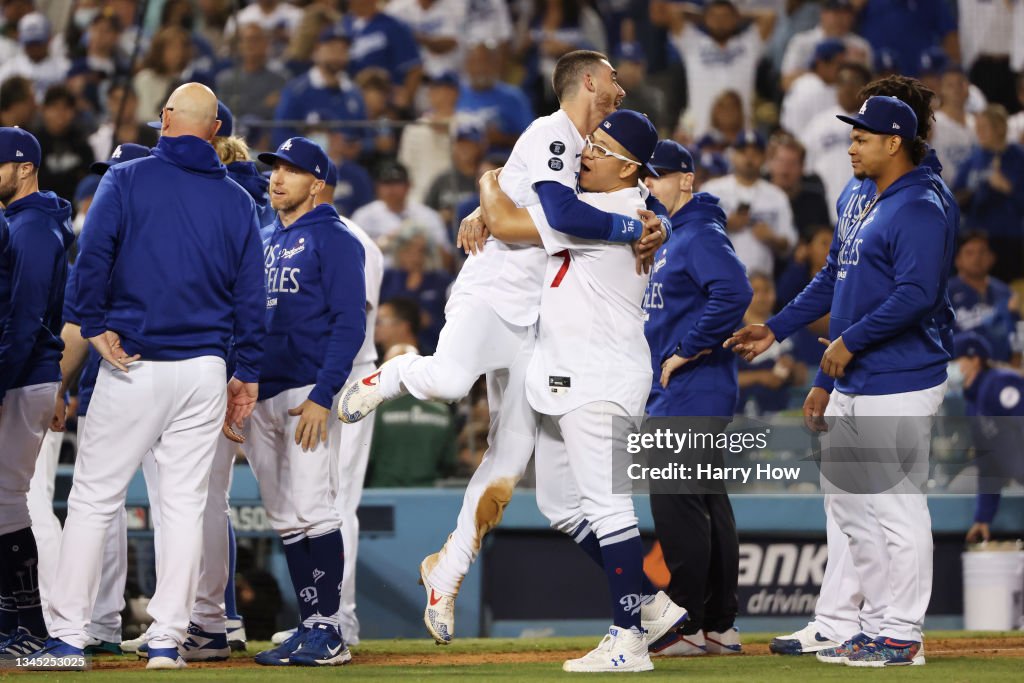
x=591 y=365
x=173 y=217
x=885 y=283
x=33 y=270
x=316 y=322
x=490 y=316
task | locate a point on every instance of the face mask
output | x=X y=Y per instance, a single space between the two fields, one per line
x=84 y=16
x=955 y=381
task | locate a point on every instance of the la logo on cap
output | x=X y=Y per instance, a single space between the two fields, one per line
x=287 y=144
x=117 y=153
x=863 y=107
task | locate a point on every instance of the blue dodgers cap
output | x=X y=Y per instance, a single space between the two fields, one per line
x=122 y=153
x=884 y=115
x=750 y=138
x=332 y=175
x=33 y=28
x=631 y=52
x=302 y=153
x=671 y=157
x=827 y=50
x=971 y=345
x=714 y=164
x=468 y=131
x=635 y=133
x=17 y=144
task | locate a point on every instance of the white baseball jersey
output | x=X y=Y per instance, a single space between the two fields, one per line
x=952 y=143
x=373 y=272
x=590 y=343
x=510 y=276
x=808 y=95
x=827 y=140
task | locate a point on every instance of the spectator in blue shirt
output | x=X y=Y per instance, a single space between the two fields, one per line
x=324 y=93
x=410 y=279
x=887 y=26
x=381 y=40
x=990 y=189
x=354 y=189
x=983 y=304
x=497 y=107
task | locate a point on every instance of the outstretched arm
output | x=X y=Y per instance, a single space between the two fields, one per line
x=506 y=221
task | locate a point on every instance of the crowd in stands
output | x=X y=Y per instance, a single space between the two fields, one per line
x=415 y=99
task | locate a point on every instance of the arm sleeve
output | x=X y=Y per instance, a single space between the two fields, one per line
x=918 y=262
x=35 y=255
x=719 y=272
x=250 y=297
x=812 y=303
x=96 y=258
x=566 y=213
x=345 y=288
x=985 y=507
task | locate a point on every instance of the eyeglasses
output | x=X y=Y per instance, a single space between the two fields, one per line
x=162 y=112
x=600 y=152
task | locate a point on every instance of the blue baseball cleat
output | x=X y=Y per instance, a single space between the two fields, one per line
x=323 y=646
x=280 y=655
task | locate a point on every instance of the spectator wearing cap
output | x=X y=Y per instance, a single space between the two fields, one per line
x=411 y=277
x=993 y=396
x=459 y=182
x=933 y=64
x=379 y=39
x=836 y=21
x=17 y=102
x=696 y=298
x=719 y=53
x=814 y=90
x=252 y=87
x=393 y=214
x=631 y=63
x=11 y=12
x=953 y=135
x=322 y=94
x=489 y=21
x=989 y=186
x=425 y=146
x=884 y=23
x=712 y=165
x=66 y=152
x=806 y=193
x=827 y=139
x=119 y=123
x=984 y=304
x=760 y=220
x=100 y=63
x=34 y=60
x=502 y=110
x=437 y=26
x=986 y=38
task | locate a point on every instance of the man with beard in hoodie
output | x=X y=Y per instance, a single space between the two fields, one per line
x=170 y=270
x=33 y=270
x=885 y=284
x=696 y=298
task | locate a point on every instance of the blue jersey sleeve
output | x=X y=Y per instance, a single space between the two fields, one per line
x=567 y=213
x=95 y=262
x=718 y=271
x=345 y=290
x=250 y=298
x=813 y=302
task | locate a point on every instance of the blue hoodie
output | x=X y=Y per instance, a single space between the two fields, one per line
x=91 y=369
x=315 y=307
x=171 y=259
x=885 y=283
x=34 y=243
x=697 y=296
x=252 y=181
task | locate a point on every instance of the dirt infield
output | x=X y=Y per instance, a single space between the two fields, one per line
x=937 y=648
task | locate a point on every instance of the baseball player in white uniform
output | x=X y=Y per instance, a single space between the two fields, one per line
x=490 y=316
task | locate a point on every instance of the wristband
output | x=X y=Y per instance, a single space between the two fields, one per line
x=625 y=229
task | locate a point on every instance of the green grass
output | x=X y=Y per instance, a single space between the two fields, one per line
x=942 y=667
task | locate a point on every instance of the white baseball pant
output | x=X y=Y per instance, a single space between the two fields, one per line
x=174 y=409
x=106 y=617
x=26 y=414
x=574 y=470
x=296 y=487
x=889 y=532
x=353 y=456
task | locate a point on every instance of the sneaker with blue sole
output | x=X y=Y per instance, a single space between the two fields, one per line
x=839 y=655
x=165 y=658
x=280 y=655
x=882 y=652
x=20 y=644
x=323 y=646
x=56 y=655
x=204 y=646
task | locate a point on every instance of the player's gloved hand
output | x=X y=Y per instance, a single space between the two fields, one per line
x=60 y=414
x=814 y=410
x=836 y=357
x=108 y=345
x=472 y=233
x=241 y=401
x=751 y=341
x=312 y=427
x=978 y=532
x=674 y=362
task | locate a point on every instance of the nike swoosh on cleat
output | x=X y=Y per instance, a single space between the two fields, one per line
x=372 y=380
x=821 y=639
x=432 y=600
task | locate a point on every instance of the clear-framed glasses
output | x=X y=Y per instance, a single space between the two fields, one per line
x=600 y=152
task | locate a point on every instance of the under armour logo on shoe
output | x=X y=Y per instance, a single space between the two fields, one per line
x=621 y=660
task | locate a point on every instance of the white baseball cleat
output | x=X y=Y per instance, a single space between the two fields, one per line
x=439 y=614
x=675 y=644
x=805 y=641
x=621 y=649
x=282 y=636
x=360 y=398
x=165 y=658
x=723 y=642
x=661 y=615
x=134 y=644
